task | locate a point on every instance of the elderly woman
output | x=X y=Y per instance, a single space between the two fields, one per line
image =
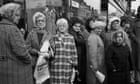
x=95 y=48
x=37 y=36
x=119 y=60
x=114 y=26
x=65 y=59
x=80 y=35
x=15 y=61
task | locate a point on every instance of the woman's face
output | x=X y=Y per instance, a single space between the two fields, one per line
x=76 y=27
x=119 y=38
x=62 y=27
x=98 y=30
x=41 y=22
x=16 y=16
x=91 y=24
x=115 y=25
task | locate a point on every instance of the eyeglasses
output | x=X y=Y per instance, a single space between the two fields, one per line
x=77 y=25
x=40 y=20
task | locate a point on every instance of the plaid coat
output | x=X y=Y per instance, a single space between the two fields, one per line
x=15 y=61
x=64 y=60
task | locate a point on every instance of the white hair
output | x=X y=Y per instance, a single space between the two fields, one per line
x=61 y=21
x=36 y=16
x=9 y=9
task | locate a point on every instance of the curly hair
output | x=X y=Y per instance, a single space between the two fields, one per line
x=9 y=9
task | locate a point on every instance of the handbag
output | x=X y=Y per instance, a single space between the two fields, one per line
x=99 y=75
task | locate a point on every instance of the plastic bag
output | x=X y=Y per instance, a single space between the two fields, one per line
x=42 y=66
x=41 y=70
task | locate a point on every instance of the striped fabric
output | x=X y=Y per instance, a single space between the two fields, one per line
x=65 y=59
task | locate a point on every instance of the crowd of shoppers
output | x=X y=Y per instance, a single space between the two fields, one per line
x=80 y=49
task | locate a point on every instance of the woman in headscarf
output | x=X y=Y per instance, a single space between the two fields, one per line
x=114 y=26
x=15 y=60
x=37 y=36
x=80 y=35
x=119 y=60
x=65 y=59
x=95 y=54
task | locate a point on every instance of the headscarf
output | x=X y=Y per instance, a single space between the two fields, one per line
x=115 y=36
x=112 y=19
x=36 y=16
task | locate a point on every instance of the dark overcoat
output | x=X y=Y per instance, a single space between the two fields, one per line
x=119 y=58
x=137 y=47
x=80 y=40
x=15 y=61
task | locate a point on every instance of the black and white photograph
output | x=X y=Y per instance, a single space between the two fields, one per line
x=69 y=41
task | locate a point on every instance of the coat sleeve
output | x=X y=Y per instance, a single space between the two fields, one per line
x=109 y=54
x=74 y=53
x=131 y=60
x=32 y=51
x=19 y=46
x=92 y=46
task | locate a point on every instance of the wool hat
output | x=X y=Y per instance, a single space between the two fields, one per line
x=97 y=24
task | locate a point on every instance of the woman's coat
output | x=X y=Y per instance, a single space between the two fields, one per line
x=65 y=59
x=33 y=43
x=15 y=61
x=95 y=57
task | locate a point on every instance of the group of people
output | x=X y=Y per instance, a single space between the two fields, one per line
x=78 y=48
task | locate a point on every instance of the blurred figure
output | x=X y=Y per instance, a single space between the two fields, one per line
x=119 y=60
x=80 y=35
x=15 y=61
x=65 y=59
x=95 y=54
x=137 y=33
x=37 y=36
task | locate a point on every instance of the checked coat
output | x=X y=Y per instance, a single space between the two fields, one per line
x=64 y=60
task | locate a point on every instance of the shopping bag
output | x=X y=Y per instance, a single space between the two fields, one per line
x=99 y=75
x=41 y=70
x=42 y=66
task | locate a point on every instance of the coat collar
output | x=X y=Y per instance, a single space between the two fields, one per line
x=7 y=22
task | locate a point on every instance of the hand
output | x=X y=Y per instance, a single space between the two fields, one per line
x=73 y=75
x=44 y=54
x=114 y=70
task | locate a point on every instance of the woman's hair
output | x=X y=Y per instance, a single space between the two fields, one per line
x=36 y=16
x=61 y=21
x=8 y=10
x=87 y=24
x=115 y=35
x=73 y=21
